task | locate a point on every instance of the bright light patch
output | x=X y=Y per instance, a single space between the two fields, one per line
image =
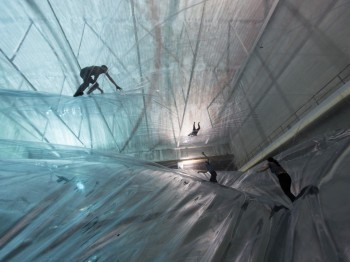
x=80 y=186
x=184 y=163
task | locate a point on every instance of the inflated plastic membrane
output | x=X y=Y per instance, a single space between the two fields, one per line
x=60 y=203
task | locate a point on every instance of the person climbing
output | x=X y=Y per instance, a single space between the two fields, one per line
x=210 y=169
x=282 y=175
x=86 y=74
x=194 y=130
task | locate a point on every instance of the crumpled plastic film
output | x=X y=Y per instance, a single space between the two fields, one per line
x=60 y=203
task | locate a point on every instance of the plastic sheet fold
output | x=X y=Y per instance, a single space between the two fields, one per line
x=61 y=203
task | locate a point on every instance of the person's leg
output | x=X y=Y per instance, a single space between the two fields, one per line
x=93 y=88
x=80 y=90
x=213 y=175
x=286 y=182
x=99 y=88
x=193 y=130
x=199 y=127
x=308 y=190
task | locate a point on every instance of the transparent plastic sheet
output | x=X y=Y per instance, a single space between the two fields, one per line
x=61 y=203
x=68 y=120
x=55 y=119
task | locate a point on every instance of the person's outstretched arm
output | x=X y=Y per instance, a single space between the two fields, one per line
x=205 y=156
x=114 y=83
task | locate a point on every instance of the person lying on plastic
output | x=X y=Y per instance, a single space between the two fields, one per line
x=194 y=130
x=282 y=175
x=210 y=169
x=90 y=75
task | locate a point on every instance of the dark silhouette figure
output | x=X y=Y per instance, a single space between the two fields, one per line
x=308 y=190
x=282 y=175
x=89 y=76
x=62 y=178
x=210 y=169
x=194 y=130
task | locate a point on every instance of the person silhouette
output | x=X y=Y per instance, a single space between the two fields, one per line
x=210 y=169
x=93 y=71
x=194 y=130
x=282 y=175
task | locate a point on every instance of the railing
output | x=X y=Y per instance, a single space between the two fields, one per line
x=341 y=78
